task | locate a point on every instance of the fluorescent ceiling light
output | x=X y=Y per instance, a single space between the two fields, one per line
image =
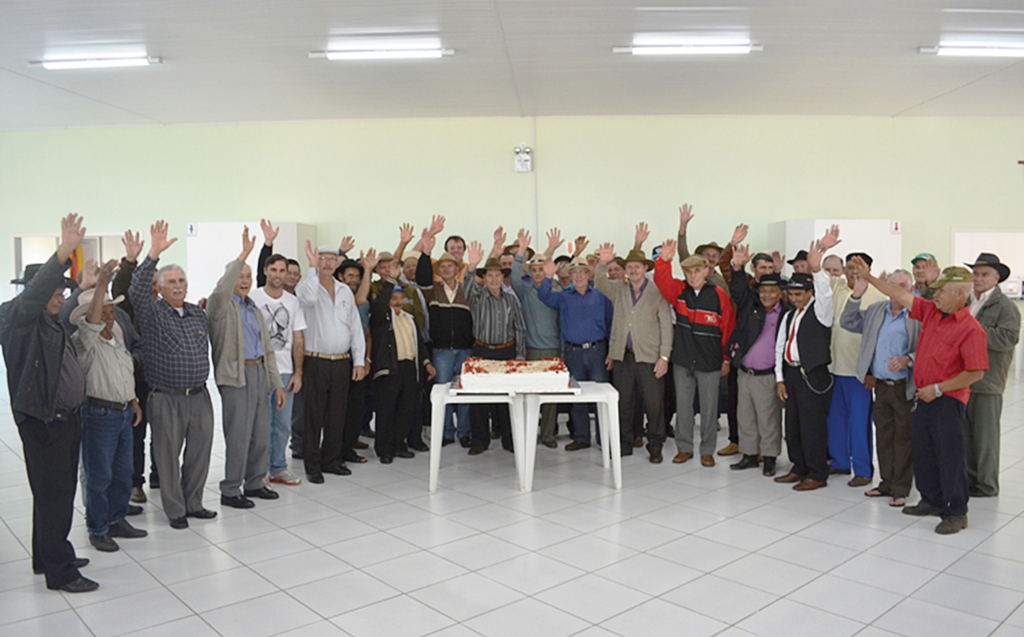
x=690 y=49
x=381 y=54
x=974 y=51
x=96 y=63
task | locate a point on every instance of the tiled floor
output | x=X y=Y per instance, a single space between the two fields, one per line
x=681 y=550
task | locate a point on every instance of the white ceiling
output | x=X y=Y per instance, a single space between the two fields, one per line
x=247 y=60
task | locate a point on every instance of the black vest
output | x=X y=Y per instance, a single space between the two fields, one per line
x=813 y=339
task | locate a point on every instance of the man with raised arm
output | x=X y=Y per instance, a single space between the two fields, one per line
x=803 y=382
x=47 y=387
x=641 y=342
x=335 y=356
x=245 y=368
x=175 y=346
x=711 y=252
x=952 y=355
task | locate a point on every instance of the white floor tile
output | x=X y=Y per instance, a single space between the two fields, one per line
x=531 y=573
x=637 y=534
x=268 y=615
x=594 y=598
x=658 y=617
x=649 y=574
x=587 y=552
x=991 y=570
x=535 y=534
x=527 y=617
x=300 y=568
x=267 y=546
x=742 y=535
x=416 y=570
x=396 y=617
x=719 y=598
x=808 y=553
x=32 y=601
x=65 y=623
x=780 y=620
x=342 y=593
x=974 y=598
x=432 y=532
x=222 y=589
x=698 y=553
x=915 y=618
x=782 y=577
x=149 y=608
x=467 y=596
x=846 y=598
x=189 y=565
x=478 y=551
x=191 y=626
x=370 y=549
x=879 y=572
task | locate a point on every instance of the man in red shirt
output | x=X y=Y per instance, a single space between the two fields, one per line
x=952 y=353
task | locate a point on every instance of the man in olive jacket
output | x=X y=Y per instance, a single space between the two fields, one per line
x=47 y=387
x=1001 y=320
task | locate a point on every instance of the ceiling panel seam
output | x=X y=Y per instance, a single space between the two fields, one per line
x=508 y=57
x=957 y=88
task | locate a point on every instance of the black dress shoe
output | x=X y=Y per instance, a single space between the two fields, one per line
x=476 y=451
x=315 y=478
x=405 y=454
x=78 y=562
x=121 y=528
x=466 y=442
x=296 y=456
x=386 y=459
x=80 y=585
x=263 y=493
x=656 y=457
x=340 y=470
x=352 y=456
x=748 y=462
x=359 y=444
x=832 y=471
x=134 y=510
x=419 y=446
x=202 y=514
x=769 y=467
x=367 y=433
x=447 y=441
x=103 y=543
x=237 y=501
x=179 y=523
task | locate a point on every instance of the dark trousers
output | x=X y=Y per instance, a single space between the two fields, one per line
x=298 y=420
x=482 y=415
x=356 y=409
x=806 y=416
x=732 y=402
x=325 y=385
x=940 y=463
x=586 y=364
x=139 y=439
x=893 y=415
x=51 y=460
x=639 y=391
x=396 y=409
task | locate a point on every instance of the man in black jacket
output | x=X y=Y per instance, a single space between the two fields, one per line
x=47 y=387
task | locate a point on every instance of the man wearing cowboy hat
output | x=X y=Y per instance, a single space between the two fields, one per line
x=585 y=317
x=1001 y=320
x=110 y=412
x=451 y=328
x=499 y=334
x=641 y=341
x=951 y=356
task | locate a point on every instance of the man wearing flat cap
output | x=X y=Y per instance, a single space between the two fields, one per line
x=47 y=388
x=641 y=343
x=1001 y=320
x=951 y=356
x=711 y=252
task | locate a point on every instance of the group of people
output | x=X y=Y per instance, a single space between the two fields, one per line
x=317 y=359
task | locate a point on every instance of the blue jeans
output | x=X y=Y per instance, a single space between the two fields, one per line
x=585 y=364
x=107 y=444
x=280 y=428
x=448 y=363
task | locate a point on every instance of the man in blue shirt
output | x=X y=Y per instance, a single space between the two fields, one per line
x=585 y=316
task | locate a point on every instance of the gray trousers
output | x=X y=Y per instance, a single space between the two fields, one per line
x=981 y=440
x=759 y=415
x=705 y=384
x=549 y=412
x=246 y=413
x=179 y=420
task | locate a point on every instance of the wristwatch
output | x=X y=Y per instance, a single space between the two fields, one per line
x=938 y=392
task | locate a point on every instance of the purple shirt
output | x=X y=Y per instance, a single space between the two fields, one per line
x=761 y=354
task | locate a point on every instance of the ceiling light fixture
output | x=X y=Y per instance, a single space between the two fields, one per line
x=980 y=51
x=96 y=63
x=380 y=54
x=690 y=49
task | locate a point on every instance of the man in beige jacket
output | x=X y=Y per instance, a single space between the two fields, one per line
x=641 y=342
x=245 y=369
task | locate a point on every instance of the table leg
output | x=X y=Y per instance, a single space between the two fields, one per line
x=531 y=417
x=615 y=442
x=515 y=413
x=438 y=404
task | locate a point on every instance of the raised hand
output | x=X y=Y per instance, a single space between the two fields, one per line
x=105 y=276
x=499 y=236
x=436 y=225
x=132 y=246
x=523 y=239
x=831 y=239
x=71 y=236
x=427 y=243
x=740 y=256
x=475 y=254
x=554 y=241
x=370 y=261
x=88 y=274
x=248 y=243
x=739 y=234
x=550 y=267
x=814 y=255
x=581 y=244
x=406 y=232
x=269 y=232
x=311 y=254
x=860 y=286
x=685 y=216
x=860 y=268
x=778 y=260
x=158 y=241
x=607 y=252
x=668 y=249
x=932 y=269
x=347 y=243
x=642 y=233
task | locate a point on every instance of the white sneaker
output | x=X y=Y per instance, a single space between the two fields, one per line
x=285 y=477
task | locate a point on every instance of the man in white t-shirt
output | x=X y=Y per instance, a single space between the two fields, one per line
x=285 y=325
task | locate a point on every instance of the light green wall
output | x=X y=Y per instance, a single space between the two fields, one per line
x=596 y=176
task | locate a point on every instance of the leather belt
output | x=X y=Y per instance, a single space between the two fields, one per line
x=181 y=392
x=254 y=361
x=65 y=415
x=757 y=372
x=502 y=346
x=587 y=345
x=893 y=383
x=329 y=357
x=108 y=404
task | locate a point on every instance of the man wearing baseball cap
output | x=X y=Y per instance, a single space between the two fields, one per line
x=1001 y=320
x=926 y=272
x=951 y=356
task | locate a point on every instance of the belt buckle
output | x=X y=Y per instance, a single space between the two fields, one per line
x=587 y=345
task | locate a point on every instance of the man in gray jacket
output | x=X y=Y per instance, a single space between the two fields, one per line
x=885 y=363
x=1001 y=320
x=245 y=369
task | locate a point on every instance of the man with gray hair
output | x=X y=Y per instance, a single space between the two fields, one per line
x=176 y=350
x=885 y=365
x=951 y=356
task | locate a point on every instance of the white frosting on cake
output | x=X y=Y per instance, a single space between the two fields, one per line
x=520 y=376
